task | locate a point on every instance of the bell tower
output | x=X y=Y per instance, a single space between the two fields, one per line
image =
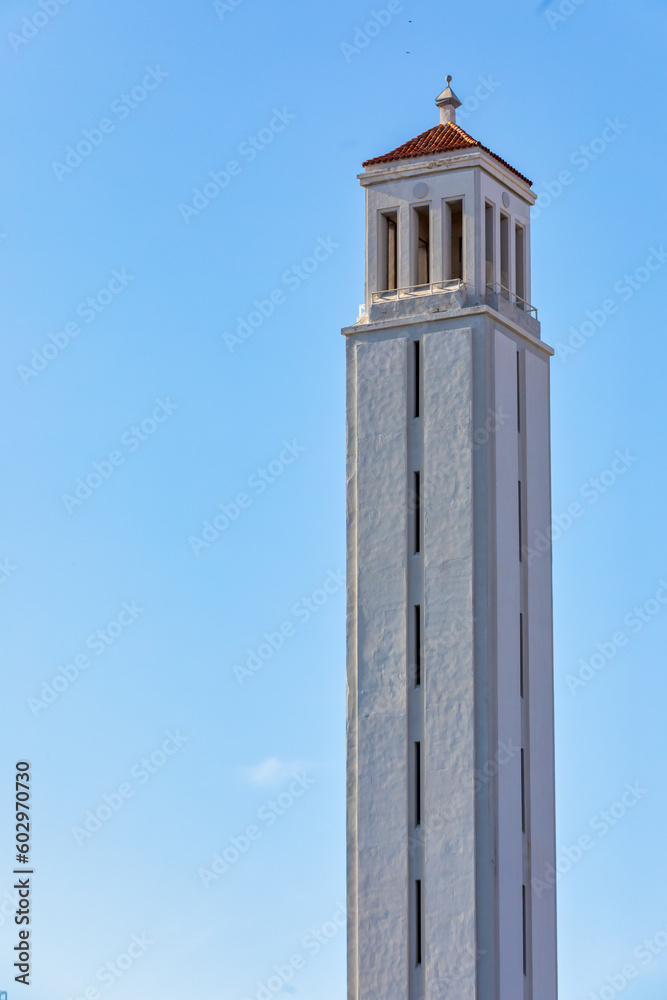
x=450 y=674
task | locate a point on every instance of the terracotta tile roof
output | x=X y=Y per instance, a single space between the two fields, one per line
x=439 y=139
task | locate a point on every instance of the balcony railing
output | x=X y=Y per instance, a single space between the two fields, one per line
x=453 y=285
x=512 y=297
x=392 y=294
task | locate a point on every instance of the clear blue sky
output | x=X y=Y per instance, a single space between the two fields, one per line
x=213 y=419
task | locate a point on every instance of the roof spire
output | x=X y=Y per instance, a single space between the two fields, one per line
x=448 y=102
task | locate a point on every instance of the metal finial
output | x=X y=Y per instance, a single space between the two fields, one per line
x=447 y=100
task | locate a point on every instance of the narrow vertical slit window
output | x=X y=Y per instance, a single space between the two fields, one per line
x=416 y=360
x=520 y=253
x=418 y=645
x=489 y=241
x=521 y=654
x=455 y=219
x=418 y=922
x=505 y=255
x=518 y=392
x=520 y=525
x=422 y=268
x=525 y=932
x=523 y=790
x=418 y=784
x=389 y=252
x=417 y=512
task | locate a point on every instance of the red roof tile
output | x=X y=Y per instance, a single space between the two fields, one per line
x=439 y=139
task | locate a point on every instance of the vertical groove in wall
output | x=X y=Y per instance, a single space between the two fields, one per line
x=524 y=681
x=506 y=599
x=414 y=734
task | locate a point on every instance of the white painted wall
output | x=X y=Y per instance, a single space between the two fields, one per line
x=449 y=680
x=540 y=657
x=505 y=599
x=378 y=670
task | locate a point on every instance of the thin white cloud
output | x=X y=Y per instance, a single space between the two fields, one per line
x=272 y=771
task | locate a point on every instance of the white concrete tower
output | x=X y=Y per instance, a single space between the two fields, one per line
x=450 y=687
